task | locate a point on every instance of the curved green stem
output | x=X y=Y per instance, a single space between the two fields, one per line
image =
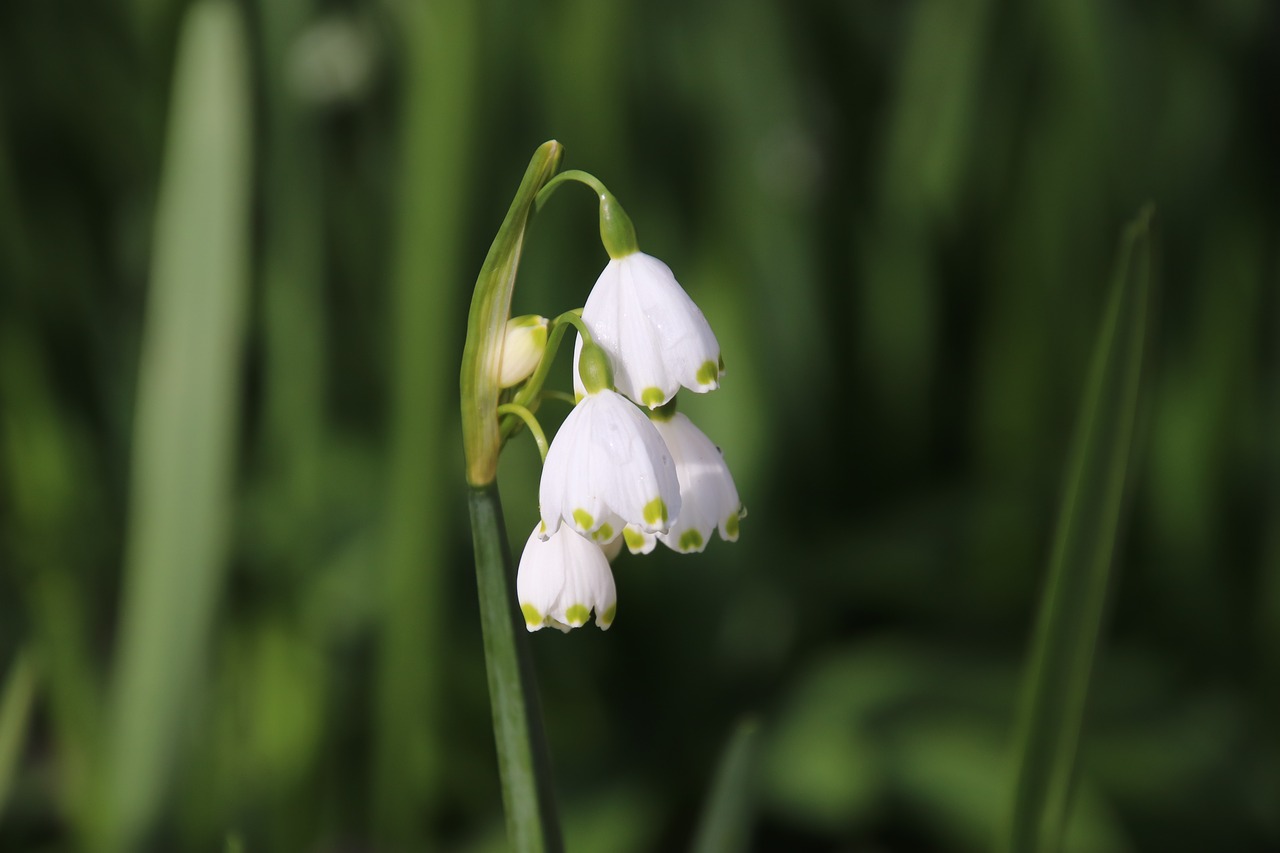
x=535 y=429
x=567 y=175
x=562 y=396
x=530 y=393
x=574 y=318
x=616 y=231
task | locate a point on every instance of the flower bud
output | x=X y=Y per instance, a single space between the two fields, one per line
x=523 y=343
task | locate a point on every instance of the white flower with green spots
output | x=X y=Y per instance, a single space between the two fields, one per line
x=708 y=497
x=562 y=579
x=655 y=336
x=606 y=468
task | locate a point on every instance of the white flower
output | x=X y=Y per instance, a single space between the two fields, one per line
x=563 y=578
x=608 y=467
x=523 y=344
x=656 y=337
x=708 y=497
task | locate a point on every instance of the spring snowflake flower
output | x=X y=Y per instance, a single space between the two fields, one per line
x=708 y=497
x=608 y=467
x=656 y=337
x=562 y=579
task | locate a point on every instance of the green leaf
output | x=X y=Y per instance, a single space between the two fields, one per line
x=185 y=423
x=726 y=818
x=1057 y=680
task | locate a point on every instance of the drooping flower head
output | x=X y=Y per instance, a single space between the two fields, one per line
x=708 y=498
x=607 y=466
x=655 y=335
x=562 y=579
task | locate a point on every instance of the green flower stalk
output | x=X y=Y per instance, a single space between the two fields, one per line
x=527 y=793
x=611 y=476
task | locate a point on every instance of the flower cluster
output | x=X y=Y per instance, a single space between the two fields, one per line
x=625 y=466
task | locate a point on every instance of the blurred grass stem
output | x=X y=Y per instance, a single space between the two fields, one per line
x=187 y=413
x=435 y=153
x=725 y=825
x=1066 y=635
x=15 y=712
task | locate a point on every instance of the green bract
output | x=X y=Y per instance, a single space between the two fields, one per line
x=486 y=323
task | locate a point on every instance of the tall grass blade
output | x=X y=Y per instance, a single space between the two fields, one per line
x=436 y=145
x=1066 y=635
x=185 y=421
x=726 y=819
x=15 y=711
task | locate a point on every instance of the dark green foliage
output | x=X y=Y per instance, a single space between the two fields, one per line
x=900 y=219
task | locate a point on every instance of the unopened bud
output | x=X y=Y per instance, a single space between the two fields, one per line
x=523 y=344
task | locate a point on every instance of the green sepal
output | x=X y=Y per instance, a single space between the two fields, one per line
x=616 y=231
x=594 y=368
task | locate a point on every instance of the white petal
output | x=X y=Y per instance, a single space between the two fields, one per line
x=655 y=335
x=588 y=586
x=687 y=341
x=613 y=548
x=562 y=579
x=639 y=476
x=539 y=579
x=608 y=467
x=639 y=542
x=709 y=498
x=567 y=490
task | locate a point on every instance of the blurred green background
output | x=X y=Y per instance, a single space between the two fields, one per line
x=236 y=597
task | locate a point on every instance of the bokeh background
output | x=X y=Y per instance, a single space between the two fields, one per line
x=900 y=219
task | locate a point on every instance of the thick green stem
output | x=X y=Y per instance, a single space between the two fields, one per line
x=523 y=761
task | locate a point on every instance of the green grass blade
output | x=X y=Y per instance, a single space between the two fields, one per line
x=15 y=711
x=528 y=796
x=185 y=422
x=436 y=152
x=1066 y=636
x=726 y=819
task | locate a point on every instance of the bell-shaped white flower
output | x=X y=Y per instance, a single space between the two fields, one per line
x=708 y=497
x=562 y=579
x=656 y=337
x=608 y=467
